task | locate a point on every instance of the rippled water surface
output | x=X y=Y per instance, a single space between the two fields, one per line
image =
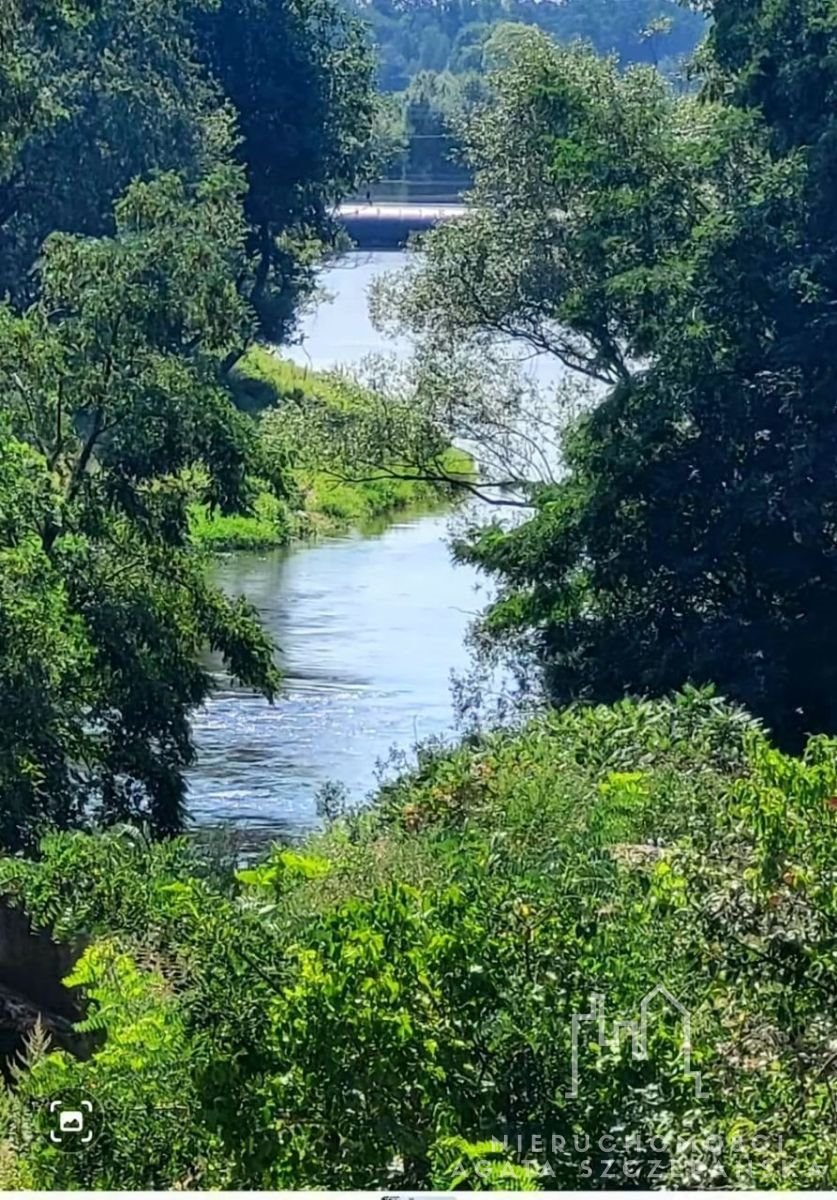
x=369 y=628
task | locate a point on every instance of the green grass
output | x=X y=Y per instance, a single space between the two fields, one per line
x=347 y=503
x=270 y=525
x=262 y=379
x=326 y=501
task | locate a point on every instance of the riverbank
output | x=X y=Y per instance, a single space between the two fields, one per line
x=320 y=495
x=392 y=1003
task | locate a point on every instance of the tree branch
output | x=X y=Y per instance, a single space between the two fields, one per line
x=441 y=476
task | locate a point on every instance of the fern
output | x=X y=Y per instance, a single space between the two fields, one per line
x=37 y=1043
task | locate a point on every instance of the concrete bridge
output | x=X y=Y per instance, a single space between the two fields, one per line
x=386 y=225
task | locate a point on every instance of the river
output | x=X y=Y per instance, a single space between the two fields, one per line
x=368 y=626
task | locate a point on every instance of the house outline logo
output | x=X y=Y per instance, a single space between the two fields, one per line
x=635 y=1030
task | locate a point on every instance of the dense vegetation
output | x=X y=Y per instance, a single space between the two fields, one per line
x=679 y=253
x=310 y=423
x=382 y=1006
x=126 y=89
x=451 y=36
x=433 y=59
x=420 y=142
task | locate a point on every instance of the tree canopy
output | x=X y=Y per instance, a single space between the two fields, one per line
x=450 y=36
x=678 y=252
x=300 y=79
x=159 y=181
x=121 y=90
x=105 y=606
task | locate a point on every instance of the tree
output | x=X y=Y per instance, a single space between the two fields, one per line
x=111 y=399
x=583 y=175
x=29 y=36
x=140 y=87
x=677 y=252
x=122 y=96
x=299 y=76
x=450 y=35
x=434 y=105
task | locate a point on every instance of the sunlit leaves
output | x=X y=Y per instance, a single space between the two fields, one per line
x=112 y=396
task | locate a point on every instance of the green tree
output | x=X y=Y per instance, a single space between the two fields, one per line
x=115 y=346
x=140 y=87
x=299 y=76
x=449 y=35
x=679 y=253
x=122 y=96
x=111 y=397
x=30 y=34
x=434 y=105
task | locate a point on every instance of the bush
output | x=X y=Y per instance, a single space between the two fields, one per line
x=302 y=418
x=379 y=1007
x=270 y=525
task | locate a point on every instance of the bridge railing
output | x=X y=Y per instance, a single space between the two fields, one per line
x=388 y=224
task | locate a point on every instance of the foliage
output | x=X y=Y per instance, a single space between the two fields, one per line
x=435 y=61
x=106 y=405
x=451 y=36
x=121 y=97
x=326 y=439
x=29 y=34
x=98 y=94
x=390 y=1003
x=587 y=181
x=268 y=524
x=663 y=247
x=299 y=156
x=332 y=439
x=142 y=1080
x=148 y=230
x=425 y=159
x=384 y=1006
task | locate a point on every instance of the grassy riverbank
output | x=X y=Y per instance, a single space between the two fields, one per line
x=321 y=494
x=371 y=1009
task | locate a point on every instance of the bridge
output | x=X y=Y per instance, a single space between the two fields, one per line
x=376 y=225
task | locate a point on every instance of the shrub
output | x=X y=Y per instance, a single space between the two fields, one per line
x=379 y=1007
x=269 y=525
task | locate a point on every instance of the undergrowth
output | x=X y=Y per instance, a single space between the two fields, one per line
x=323 y=493
x=391 y=1004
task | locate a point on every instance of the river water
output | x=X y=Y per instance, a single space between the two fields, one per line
x=369 y=628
